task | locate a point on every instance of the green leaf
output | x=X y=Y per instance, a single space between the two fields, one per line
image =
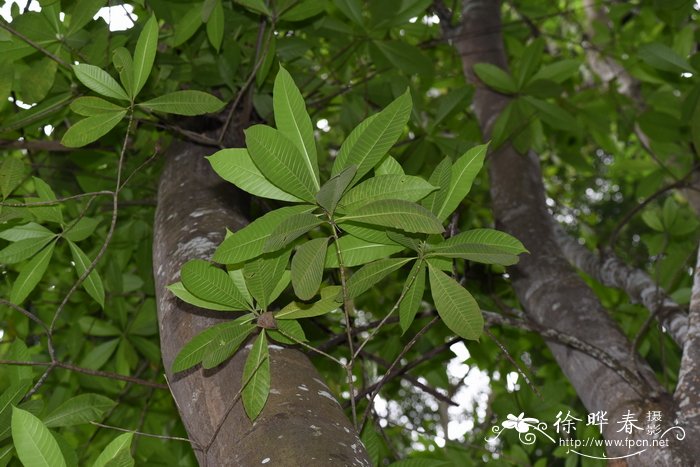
x=93 y=283
x=23 y=249
x=236 y=274
x=369 y=233
x=404 y=240
x=248 y=242
x=356 y=251
x=124 y=64
x=293 y=121
x=90 y=129
x=12 y=395
x=558 y=71
x=183 y=294
x=96 y=327
x=389 y=166
x=307 y=267
x=100 y=355
x=184 y=103
x=11 y=175
x=280 y=161
x=227 y=342
x=211 y=284
x=215 y=26
x=481 y=245
x=81 y=230
x=664 y=58
x=552 y=114
x=34 y=443
x=333 y=189
x=30 y=275
x=290 y=229
x=495 y=78
x=370 y=140
x=99 y=81
x=462 y=176
x=352 y=9
x=282 y=284
x=256 y=378
x=396 y=213
x=81 y=13
x=26 y=231
x=235 y=166
x=90 y=106
x=370 y=274
x=264 y=273
x=145 y=54
x=327 y=303
x=187 y=24
x=257 y=6
x=117 y=453
x=302 y=10
x=287 y=327
x=441 y=177
x=384 y=187
x=83 y=408
x=455 y=305
x=529 y=61
x=195 y=350
x=413 y=295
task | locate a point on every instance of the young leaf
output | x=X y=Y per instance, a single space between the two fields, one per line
x=236 y=274
x=23 y=249
x=256 y=378
x=184 y=103
x=281 y=286
x=227 y=342
x=370 y=140
x=356 y=251
x=370 y=274
x=183 y=294
x=92 y=283
x=263 y=274
x=403 y=187
x=495 y=78
x=462 y=176
x=195 y=350
x=248 y=242
x=211 y=284
x=280 y=161
x=90 y=129
x=290 y=229
x=327 y=303
x=331 y=192
x=307 y=267
x=455 y=305
x=440 y=178
x=124 y=64
x=30 y=275
x=215 y=26
x=90 y=106
x=99 y=81
x=145 y=54
x=396 y=213
x=293 y=121
x=33 y=441
x=413 y=295
x=83 y=408
x=235 y=165
x=117 y=453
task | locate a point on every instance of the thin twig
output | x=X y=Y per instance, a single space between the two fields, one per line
x=141 y=433
x=57 y=201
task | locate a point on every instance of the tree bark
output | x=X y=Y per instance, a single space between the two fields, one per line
x=302 y=423
x=552 y=294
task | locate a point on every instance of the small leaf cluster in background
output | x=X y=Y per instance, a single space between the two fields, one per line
x=367 y=211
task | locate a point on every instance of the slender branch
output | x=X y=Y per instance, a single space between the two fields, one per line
x=26 y=313
x=141 y=433
x=59 y=200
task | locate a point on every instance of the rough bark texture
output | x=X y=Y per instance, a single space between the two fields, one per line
x=302 y=423
x=549 y=289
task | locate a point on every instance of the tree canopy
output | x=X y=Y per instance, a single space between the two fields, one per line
x=459 y=211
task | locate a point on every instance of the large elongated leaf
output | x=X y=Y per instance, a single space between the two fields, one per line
x=83 y=408
x=398 y=214
x=92 y=283
x=26 y=231
x=331 y=192
x=183 y=294
x=441 y=176
x=327 y=303
x=92 y=128
x=11 y=175
x=124 y=63
x=293 y=121
x=404 y=187
x=356 y=251
x=290 y=229
x=22 y=249
x=370 y=274
x=248 y=242
x=90 y=106
x=117 y=453
x=370 y=140
x=33 y=441
x=307 y=267
x=145 y=54
x=664 y=58
x=280 y=161
x=235 y=166
x=184 y=103
x=208 y=283
x=81 y=229
x=413 y=294
x=215 y=25
x=288 y=331
x=30 y=275
x=263 y=275
x=99 y=81
x=488 y=237
x=455 y=305
x=462 y=176
x=11 y=396
x=256 y=378
x=227 y=342
x=367 y=232
x=495 y=77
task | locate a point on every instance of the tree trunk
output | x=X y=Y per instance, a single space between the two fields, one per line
x=302 y=423
x=552 y=294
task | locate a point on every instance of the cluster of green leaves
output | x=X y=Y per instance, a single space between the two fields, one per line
x=368 y=210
